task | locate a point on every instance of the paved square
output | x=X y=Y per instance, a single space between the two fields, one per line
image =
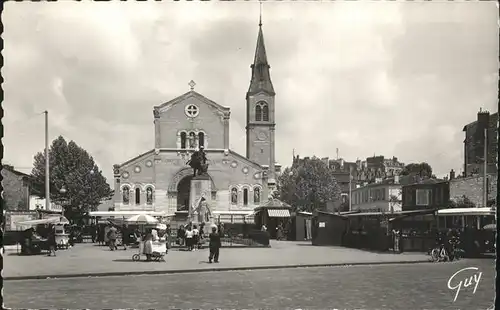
x=92 y=259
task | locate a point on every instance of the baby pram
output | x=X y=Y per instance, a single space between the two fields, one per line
x=159 y=250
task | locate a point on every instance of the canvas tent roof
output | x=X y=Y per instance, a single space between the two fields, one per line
x=49 y=220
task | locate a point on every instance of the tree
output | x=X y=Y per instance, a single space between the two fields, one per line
x=71 y=168
x=424 y=170
x=308 y=186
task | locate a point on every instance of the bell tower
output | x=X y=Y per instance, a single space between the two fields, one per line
x=260 y=123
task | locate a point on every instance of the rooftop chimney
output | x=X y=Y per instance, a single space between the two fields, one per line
x=452 y=174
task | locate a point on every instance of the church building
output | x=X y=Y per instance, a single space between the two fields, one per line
x=159 y=179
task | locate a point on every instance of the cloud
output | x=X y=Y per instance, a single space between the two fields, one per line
x=396 y=79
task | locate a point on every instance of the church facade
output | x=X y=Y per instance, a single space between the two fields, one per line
x=159 y=179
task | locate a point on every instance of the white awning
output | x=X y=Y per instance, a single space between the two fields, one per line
x=234 y=212
x=467 y=211
x=125 y=214
x=278 y=213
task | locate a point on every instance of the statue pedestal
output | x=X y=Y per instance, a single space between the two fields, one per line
x=201 y=186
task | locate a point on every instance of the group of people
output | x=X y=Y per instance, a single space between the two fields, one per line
x=193 y=238
x=190 y=236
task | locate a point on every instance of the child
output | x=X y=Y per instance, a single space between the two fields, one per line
x=196 y=237
x=214 y=246
x=189 y=238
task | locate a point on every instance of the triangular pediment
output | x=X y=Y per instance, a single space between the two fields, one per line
x=245 y=160
x=191 y=94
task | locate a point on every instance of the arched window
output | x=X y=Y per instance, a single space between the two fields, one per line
x=245 y=196
x=125 y=195
x=256 y=195
x=183 y=140
x=201 y=139
x=265 y=113
x=149 y=195
x=137 y=196
x=258 y=112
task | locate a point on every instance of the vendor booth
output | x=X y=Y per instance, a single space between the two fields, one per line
x=34 y=239
x=328 y=228
x=271 y=214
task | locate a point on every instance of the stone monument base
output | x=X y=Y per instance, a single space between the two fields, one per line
x=201 y=187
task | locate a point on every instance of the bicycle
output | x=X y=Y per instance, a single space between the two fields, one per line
x=439 y=254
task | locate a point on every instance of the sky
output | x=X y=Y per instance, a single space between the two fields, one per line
x=386 y=78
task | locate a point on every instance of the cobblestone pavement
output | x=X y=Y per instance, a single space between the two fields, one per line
x=91 y=259
x=414 y=286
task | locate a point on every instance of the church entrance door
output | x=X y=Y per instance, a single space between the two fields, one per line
x=183 y=193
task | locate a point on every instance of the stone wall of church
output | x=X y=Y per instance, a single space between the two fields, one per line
x=137 y=174
x=208 y=120
x=233 y=173
x=227 y=172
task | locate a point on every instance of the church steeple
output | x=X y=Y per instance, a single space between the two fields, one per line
x=261 y=77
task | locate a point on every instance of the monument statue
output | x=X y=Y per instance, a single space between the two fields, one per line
x=204 y=214
x=201 y=211
x=198 y=162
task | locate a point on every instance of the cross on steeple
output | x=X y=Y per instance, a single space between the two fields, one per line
x=260 y=15
x=192 y=84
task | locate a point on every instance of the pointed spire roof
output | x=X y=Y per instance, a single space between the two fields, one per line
x=261 y=77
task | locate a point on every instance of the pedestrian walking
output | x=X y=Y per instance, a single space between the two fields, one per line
x=125 y=236
x=93 y=233
x=181 y=234
x=279 y=232
x=220 y=229
x=196 y=237
x=51 y=239
x=71 y=236
x=112 y=232
x=214 y=246
x=100 y=235
x=202 y=235
x=189 y=238
x=148 y=246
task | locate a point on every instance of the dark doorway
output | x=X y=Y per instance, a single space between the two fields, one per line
x=183 y=192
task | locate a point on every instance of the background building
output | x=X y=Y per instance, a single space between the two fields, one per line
x=382 y=196
x=425 y=194
x=474 y=144
x=373 y=169
x=17 y=189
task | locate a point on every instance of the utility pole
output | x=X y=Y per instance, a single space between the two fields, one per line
x=350 y=188
x=485 y=168
x=47 y=166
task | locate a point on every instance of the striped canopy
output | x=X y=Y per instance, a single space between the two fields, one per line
x=142 y=219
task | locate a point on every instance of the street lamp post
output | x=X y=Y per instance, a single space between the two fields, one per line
x=350 y=188
x=63 y=191
x=47 y=172
x=485 y=168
